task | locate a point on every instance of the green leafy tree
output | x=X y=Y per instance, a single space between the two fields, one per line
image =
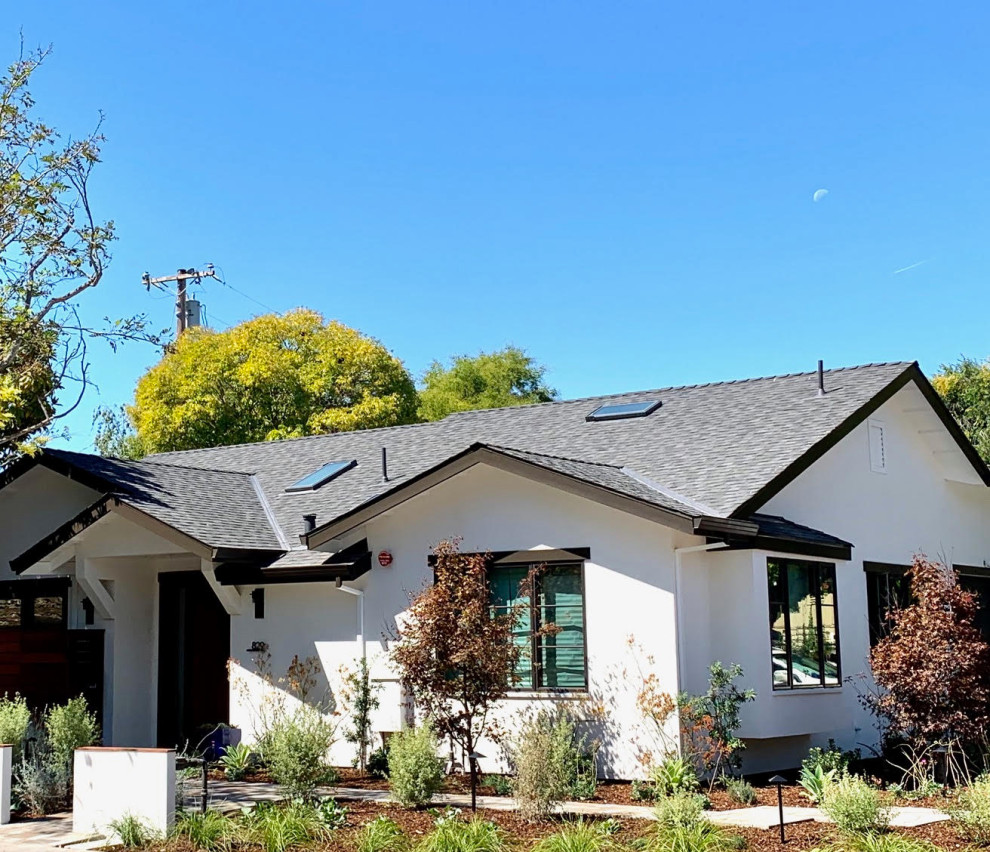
x=487 y=380
x=268 y=378
x=52 y=249
x=965 y=389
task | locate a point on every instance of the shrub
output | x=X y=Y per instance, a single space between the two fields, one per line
x=277 y=827
x=815 y=780
x=679 y=810
x=854 y=806
x=131 y=832
x=67 y=727
x=382 y=834
x=643 y=791
x=378 y=763
x=414 y=770
x=741 y=791
x=332 y=813
x=296 y=752
x=970 y=812
x=363 y=694
x=550 y=763
x=674 y=775
x=831 y=758
x=452 y=835
x=579 y=836
x=40 y=787
x=15 y=719
x=210 y=832
x=501 y=784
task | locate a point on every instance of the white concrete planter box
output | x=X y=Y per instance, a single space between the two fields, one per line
x=6 y=759
x=112 y=783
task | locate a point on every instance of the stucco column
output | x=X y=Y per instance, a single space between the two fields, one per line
x=6 y=767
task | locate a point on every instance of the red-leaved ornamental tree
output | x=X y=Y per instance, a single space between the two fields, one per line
x=454 y=653
x=934 y=666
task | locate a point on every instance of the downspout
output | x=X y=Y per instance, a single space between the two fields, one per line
x=359 y=594
x=678 y=644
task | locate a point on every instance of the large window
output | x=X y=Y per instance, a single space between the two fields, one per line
x=804 y=629
x=550 y=659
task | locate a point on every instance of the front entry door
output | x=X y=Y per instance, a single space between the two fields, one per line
x=193 y=649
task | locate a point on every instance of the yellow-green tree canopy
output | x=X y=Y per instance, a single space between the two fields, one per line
x=267 y=378
x=487 y=380
x=965 y=389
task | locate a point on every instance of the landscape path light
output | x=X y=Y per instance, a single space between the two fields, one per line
x=778 y=780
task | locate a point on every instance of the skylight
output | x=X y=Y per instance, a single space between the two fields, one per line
x=321 y=476
x=625 y=409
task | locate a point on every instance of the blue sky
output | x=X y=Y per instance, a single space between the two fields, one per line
x=623 y=189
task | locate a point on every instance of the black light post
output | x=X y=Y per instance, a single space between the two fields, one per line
x=780 y=803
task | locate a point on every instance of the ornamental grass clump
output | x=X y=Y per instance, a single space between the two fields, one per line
x=855 y=806
x=970 y=811
x=451 y=834
x=382 y=834
x=682 y=827
x=208 y=832
x=580 y=836
x=280 y=826
x=415 y=773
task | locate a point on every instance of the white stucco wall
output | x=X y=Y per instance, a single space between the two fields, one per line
x=33 y=506
x=628 y=586
x=110 y=784
x=911 y=508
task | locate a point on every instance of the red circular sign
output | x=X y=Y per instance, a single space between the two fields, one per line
x=384 y=558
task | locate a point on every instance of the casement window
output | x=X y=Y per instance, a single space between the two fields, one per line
x=554 y=659
x=804 y=627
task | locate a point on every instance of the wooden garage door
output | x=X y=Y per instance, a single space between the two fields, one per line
x=39 y=657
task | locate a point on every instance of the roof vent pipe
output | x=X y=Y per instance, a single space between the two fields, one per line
x=821 y=377
x=384 y=465
x=309 y=523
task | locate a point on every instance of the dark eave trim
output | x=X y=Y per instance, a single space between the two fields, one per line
x=482 y=453
x=56 y=465
x=529 y=557
x=348 y=564
x=840 y=552
x=63 y=535
x=912 y=373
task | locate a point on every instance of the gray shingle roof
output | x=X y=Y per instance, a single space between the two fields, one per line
x=707 y=450
x=218 y=508
x=714 y=445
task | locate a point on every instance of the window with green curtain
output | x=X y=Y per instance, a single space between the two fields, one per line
x=556 y=660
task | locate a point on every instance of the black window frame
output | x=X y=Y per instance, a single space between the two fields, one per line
x=540 y=570
x=817 y=568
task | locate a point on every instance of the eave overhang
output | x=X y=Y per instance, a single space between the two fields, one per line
x=346 y=565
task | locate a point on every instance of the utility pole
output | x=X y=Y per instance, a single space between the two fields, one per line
x=181 y=278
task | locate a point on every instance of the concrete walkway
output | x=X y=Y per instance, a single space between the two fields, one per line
x=227 y=796
x=55 y=832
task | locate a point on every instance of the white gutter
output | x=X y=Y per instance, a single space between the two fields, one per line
x=678 y=644
x=359 y=594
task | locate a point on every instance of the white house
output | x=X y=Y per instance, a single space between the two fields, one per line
x=764 y=522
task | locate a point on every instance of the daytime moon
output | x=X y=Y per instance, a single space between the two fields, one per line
x=819 y=194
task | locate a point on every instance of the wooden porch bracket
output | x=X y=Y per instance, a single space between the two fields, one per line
x=88 y=579
x=229 y=596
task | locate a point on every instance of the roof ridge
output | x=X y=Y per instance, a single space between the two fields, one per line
x=295 y=440
x=552 y=456
x=187 y=466
x=679 y=387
